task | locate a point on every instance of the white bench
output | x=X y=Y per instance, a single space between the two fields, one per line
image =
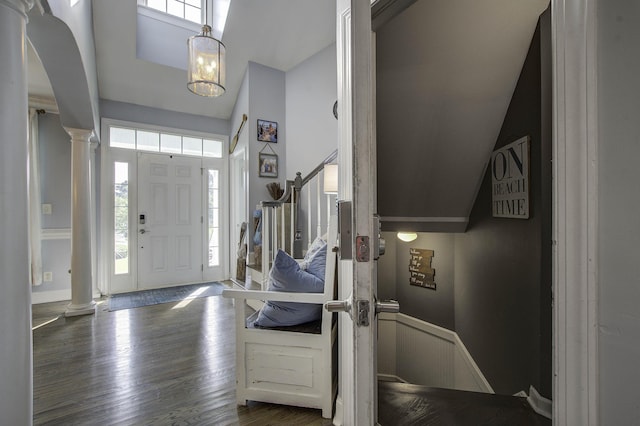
x=287 y=365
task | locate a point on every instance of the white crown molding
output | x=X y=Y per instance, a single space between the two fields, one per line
x=43 y=102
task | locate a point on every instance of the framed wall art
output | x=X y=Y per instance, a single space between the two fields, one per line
x=268 y=164
x=267 y=131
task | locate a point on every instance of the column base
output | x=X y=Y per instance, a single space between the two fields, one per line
x=77 y=310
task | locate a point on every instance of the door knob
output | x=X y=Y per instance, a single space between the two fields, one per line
x=142 y=231
x=390 y=306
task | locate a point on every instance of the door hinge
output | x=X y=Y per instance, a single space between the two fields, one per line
x=202 y=267
x=201 y=219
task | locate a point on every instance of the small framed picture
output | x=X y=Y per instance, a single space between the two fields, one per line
x=267 y=131
x=268 y=164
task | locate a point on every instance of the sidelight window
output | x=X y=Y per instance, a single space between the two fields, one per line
x=121 y=217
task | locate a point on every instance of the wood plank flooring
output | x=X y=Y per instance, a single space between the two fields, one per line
x=161 y=366
x=403 y=404
x=145 y=366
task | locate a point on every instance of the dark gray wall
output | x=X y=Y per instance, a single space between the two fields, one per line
x=502 y=274
x=618 y=212
x=387 y=268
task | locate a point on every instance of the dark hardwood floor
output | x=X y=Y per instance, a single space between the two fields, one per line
x=145 y=366
x=403 y=404
x=157 y=365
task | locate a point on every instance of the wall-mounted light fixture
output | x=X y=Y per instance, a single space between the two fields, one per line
x=207 y=64
x=330 y=178
x=407 y=236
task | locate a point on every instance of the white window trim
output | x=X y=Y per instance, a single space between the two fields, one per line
x=169 y=19
x=108 y=122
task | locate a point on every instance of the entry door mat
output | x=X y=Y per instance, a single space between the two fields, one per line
x=164 y=295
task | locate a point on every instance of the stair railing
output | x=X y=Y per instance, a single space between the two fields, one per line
x=282 y=225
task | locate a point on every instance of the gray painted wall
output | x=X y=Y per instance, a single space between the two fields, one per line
x=434 y=306
x=266 y=102
x=441 y=98
x=618 y=215
x=55 y=186
x=55 y=171
x=161 y=42
x=387 y=274
x=161 y=117
x=311 y=90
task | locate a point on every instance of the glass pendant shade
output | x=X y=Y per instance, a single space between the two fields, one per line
x=407 y=236
x=206 y=69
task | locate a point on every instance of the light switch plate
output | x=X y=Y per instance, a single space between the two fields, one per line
x=46 y=209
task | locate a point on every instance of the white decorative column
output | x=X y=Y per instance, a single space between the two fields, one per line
x=81 y=259
x=16 y=373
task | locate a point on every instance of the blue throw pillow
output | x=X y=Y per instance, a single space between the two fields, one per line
x=286 y=275
x=316 y=258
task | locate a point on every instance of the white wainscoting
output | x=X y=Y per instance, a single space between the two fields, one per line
x=56 y=234
x=37 y=297
x=415 y=351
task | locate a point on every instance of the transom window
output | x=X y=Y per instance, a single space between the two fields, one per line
x=170 y=143
x=191 y=10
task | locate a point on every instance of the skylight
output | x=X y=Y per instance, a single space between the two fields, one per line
x=194 y=11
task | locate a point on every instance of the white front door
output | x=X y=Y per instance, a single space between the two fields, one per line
x=169 y=220
x=357 y=402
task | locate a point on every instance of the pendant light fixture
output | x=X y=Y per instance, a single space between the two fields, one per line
x=207 y=64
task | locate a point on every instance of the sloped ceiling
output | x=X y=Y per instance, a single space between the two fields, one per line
x=276 y=33
x=446 y=71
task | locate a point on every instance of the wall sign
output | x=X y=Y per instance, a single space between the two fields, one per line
x=510 y=180
x=421 y=273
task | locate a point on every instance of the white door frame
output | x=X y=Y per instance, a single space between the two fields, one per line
x=107 y=156
x=575 y=209
x=357 y=402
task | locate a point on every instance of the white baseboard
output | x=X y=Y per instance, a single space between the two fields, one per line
x=390 y=378
x=38 y=297
x=338 y=417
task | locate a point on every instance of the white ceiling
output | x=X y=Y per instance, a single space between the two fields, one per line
x=39 y=84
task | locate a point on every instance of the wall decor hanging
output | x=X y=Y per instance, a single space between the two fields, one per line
x=234 y=141
x=267 y=131
x=267 y=163
x=421 y=273
x=510 y=180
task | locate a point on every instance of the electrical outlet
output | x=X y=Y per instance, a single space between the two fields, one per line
x=47 y=276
